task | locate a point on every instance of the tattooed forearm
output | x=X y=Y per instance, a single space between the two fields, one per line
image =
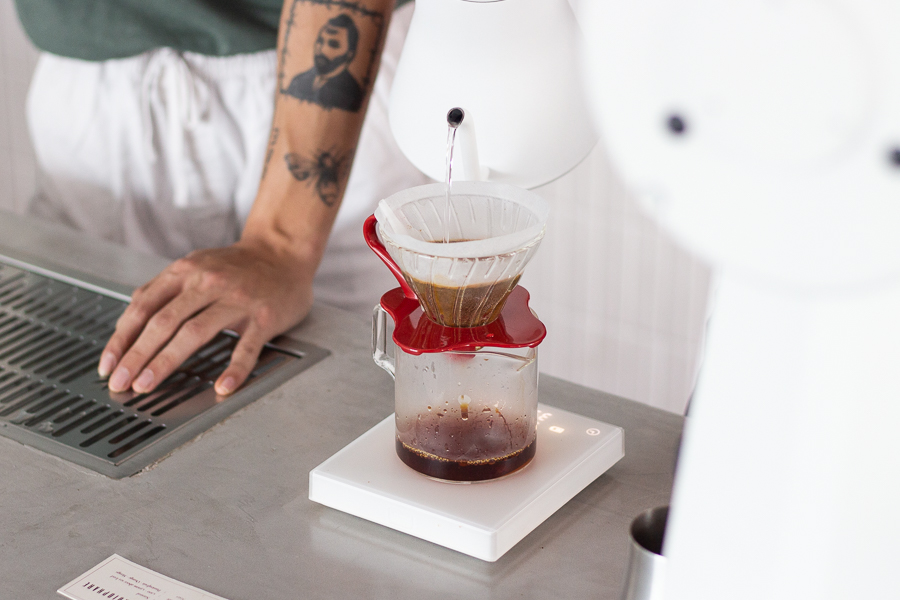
x=326 y=171
x=282 y=55
x=273 y=139
x=345 y=5
x=343 y=56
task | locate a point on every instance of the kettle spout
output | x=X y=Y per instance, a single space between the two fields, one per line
x=466 y=166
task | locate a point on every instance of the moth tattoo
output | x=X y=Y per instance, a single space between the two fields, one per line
x=325 y=170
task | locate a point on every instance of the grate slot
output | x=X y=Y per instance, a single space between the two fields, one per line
x=81 y=322
x=78 y=347
x=223 y=351
x=73 y=311
x=25 y=346
x=12 y=327
x=17 y=381
x=213 y=366
x=11 y=384
x=108 y=431
x=262 y=368
x=216 y=370
x=136 y=441
x=75 y=362
x=7 y=282
x=12 y=408
x=216 y=345
x=52 y=332
x=17 y=388
x=69 y=320
x=5 y=320
x=47 y=402
x=163 y=393
x=50 y=353
x=160 y=389
x=89 y=366
x=9 y=294
x=188 y=394
x=16 y=333
x=79 y=422
x=31 y=296
x=47 y=414
x=73 y=412
x=99 y=330
x=51 y=301
x=75 y=321
x=55 y=312
x=16 y=336
x=20 y=292
x=129 y=432
x=102 y=422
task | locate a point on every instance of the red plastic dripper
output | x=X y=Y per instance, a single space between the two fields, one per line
x=371 y=234
x=415 y=333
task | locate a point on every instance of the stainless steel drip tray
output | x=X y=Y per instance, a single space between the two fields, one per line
x=52 y=331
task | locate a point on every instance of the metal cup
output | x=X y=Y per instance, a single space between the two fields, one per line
x=645 y=577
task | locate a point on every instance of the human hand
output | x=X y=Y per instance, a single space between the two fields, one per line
x=248 y=288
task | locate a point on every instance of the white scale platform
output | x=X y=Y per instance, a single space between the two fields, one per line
x=482 y=519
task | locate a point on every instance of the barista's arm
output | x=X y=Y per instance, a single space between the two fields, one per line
x=262 y=285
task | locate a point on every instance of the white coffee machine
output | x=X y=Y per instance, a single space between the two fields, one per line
x=766 y=137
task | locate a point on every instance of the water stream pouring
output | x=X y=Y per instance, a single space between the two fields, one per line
x=455 y=117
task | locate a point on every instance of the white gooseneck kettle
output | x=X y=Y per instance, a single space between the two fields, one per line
x=513 y=67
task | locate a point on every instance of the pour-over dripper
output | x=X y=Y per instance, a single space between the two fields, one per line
x=495 y=231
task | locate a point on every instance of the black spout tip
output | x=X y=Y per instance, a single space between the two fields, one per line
x=455 y=116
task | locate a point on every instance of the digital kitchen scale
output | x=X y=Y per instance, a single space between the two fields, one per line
x=481 y=519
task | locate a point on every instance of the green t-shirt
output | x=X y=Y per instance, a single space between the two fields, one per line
x=106 y=29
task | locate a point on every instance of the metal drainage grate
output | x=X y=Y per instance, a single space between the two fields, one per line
x=51 y=335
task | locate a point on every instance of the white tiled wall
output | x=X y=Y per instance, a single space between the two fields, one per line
x=624 y=306
x=17 y=60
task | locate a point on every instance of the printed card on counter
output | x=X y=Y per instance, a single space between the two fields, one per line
x=119 y=579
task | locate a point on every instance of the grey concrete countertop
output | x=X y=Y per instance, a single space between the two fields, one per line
x=228 y=512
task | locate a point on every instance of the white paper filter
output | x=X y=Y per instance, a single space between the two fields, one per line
x=501 y=226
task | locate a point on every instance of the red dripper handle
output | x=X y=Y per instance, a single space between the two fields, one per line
x=371 y=235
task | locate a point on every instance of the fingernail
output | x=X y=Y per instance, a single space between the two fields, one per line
x=226 y=387
x=144 y=382
x=107 y=363
x=119 y=380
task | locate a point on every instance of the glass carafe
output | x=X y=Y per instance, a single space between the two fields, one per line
x=464 y=411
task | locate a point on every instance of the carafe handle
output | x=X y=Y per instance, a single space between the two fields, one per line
x=371 y=235
x=380 y=340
